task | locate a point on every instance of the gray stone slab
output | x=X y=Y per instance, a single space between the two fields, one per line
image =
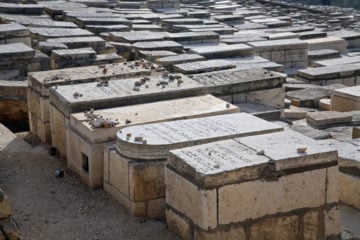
x=275 y=45
x=339 y=61
x=97 y=43
x=162 y=137
x=74 y=54
x=82 y=22
x=290 y=149
x=328 y=119
x=224 y=51
x=241 y=39
x=158 y=45
x=97 y=29
x=47 y=47
x=203 y=66
x=138 y=36
x=178 y=59
x=184 y=37
x=13 y=30
x=41 y=81
x=238 y=81
x=81 y=97
x=310 y=132
x=46 y=33
x=312 y=34
x=16 y=51
x=21 y=8
x=308 y=97
x=323 y=73
x=218 y=163
x=46 y=23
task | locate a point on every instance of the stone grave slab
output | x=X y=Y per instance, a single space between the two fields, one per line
x=86 y=137
x=213 y=186
x=154 y=55
x=151 y=156
x=328 y=119
x=96 y=43
x=47 y=47
x=308 y=97
x=68 y=99
x=82 y=22
x=224 y=51
x=335 y=43
x=138 y=36
x=352 y=38
x=170 y=61
x=97 y=29
x=346 y=99
x=63 y=58
x=40 y=82
x=203 y=66
x=341 y=60
x=243 y=85
x=26 y=9
x=292 y=53
x=45 y=33
x=13 y=32
x=310 y=132
x=158 y=45
x=192 y=38
x=229 y=18
x=15 y=51
x=312 y=34
x=345 y=74
x=146 y=27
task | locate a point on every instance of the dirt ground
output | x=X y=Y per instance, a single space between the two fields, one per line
x=46 y=207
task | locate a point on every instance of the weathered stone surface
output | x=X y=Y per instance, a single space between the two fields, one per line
x=187 y=133
x=218 y=163
x=332 y=222
x=137 y=36
x=252 y=199
x=311 y=225
x=198 y=205
x=233 y=234
x=328 y=118
x=282 y=228
x=191 y=37
x=178 y=59
x=308 y=97
x=239 y=81
x=15 y=51
x=95 y=43
x=41 y=81
x=46 y=33
x=198 y=106
x=276 y=45
x=158 y=45
x=224 y=51
x=315 y=152
x=349 y=187
x=311 y=132
x=178 y=224
x=346 y=99
x=327 y=43
x=203 y=66
x=120 y=93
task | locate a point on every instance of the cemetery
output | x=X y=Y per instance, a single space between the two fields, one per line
x=179 y=119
